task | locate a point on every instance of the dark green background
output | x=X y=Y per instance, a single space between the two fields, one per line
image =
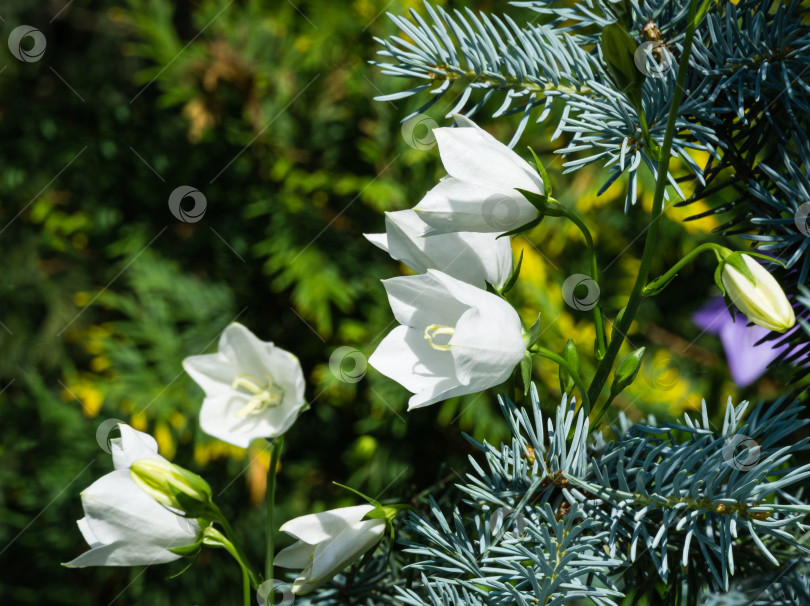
x=266 y=107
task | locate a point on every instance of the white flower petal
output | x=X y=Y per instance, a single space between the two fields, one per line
x=126 y=527
x=449 y=388
x=87 y=533
x=249 y=354
x=455 y=205
x=378 y=240
x=404 y=230
x=228 y=418
x=333 y=556
x=473 y=155
x=298 y=555
x=131 y=446
x=238 y=413
x=420 y=301
x=214 y=373
x=487 y=345
x=116 y=509
x=317 y=527
x=476 y=258
x=405 y=356
x=123 y=554
x=328 y=542
x=301 y=585
x=486 y=341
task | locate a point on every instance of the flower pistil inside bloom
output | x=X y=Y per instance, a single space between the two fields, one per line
x=265 y=394
x=437 y=330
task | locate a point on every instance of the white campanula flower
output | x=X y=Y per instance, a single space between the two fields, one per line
x=455 y=339
x=479 y=194
x=327 y=543
x=477 y=258
x=253 y=389
x=763 y=301
x=123 y=525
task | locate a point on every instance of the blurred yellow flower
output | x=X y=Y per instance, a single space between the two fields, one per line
x=165 y=440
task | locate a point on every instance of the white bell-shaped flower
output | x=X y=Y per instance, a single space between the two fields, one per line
x=122 y=524
x=455 y=339
x=253 y=389
x=327 y=543
x=479 y=193
x=477 y=258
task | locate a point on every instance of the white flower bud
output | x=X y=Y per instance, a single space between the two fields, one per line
x=327 y=543
x=763 y=300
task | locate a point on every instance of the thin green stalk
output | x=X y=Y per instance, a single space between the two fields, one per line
x=617 y=337
x=271 y=507
x=661 y=281
x=594 y=423
x=598 y=321
x=645 y=131
x=545 y=353
x=245 y=588
x=228 y=541
x=701 y=11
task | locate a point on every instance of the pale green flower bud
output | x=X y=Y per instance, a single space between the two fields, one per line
x=173 y=486
x=626 y=371
x=756 y=293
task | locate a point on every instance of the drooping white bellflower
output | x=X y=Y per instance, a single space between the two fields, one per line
x=479 y=194
x=327 y=543
x=253 y=389
x=123 y=525
x=477 y=258
x=455 y=339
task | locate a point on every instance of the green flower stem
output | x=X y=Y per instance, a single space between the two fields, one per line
x=598 y=321
x=245 y=588
x=617 y=336
x=271 y=507
x=594 y=424
x=701 y=12
x=648 y=140
x=545 y=353
x=215 y=538
x=660 y=282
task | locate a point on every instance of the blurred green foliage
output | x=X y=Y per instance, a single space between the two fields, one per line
x=266 y=107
